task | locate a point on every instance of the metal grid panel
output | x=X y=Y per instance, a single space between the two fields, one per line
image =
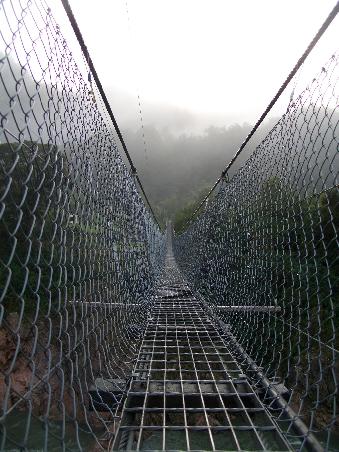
x=188 y=391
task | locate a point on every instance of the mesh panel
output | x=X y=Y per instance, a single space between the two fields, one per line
x=264 y=256
x=188 y=391
x=78 y=254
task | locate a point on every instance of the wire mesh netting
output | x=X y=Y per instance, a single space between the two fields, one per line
x=79 y=251
x=85 y=312
x=264 y=256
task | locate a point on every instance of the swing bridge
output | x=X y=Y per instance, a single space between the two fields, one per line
x=119 y=333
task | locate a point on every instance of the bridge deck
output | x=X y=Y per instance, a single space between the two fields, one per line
x=187 y=390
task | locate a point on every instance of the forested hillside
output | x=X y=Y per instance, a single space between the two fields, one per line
x=176 y=170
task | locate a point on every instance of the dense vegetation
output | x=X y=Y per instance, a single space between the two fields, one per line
x=176 y=170
x=29 y=176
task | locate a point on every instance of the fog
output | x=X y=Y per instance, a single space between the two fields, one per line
x=216 y=59
x=177 y=169
x=164 y=116
x=187 y=80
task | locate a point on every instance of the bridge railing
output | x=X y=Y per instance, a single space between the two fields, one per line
x=79 y=252
x=264 y=256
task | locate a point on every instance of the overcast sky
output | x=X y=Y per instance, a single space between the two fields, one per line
x=214 y=58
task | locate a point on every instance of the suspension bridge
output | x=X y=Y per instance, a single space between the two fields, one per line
x=118 y=334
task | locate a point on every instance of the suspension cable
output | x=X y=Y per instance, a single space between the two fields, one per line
x=91 y=66
x=282 y=88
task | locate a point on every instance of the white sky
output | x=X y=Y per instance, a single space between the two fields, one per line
x=224 y=57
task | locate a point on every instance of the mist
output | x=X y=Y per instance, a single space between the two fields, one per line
x=177 y=168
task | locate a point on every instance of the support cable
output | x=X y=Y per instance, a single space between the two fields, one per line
x=282 y=88
x=91 y=66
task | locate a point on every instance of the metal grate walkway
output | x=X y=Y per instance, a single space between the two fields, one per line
x=187 y=391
